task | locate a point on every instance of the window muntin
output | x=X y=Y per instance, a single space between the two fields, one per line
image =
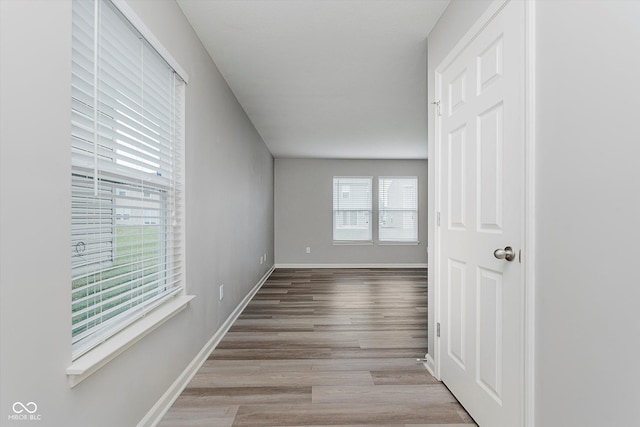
x=398 y=209
x=352 y=208
x=127 y=121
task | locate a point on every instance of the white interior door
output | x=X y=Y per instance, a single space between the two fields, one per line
x=481 y=187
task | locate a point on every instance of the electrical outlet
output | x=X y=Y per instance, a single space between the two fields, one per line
x=221 y=292
x=261 y=260
x=308 y=249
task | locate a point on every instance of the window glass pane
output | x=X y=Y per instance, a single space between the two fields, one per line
x=398 y=209
x=351 y=208
x=126 y=154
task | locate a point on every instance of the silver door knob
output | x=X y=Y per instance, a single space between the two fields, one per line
x=506 y=253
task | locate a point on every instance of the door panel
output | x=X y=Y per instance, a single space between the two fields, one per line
x=489 y=332
x=481 y=181
x=489 y=170
x=490 y=65
x=457 y=309
x=457 y=92
x=457 y=190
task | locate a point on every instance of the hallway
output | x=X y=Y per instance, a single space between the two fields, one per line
x=323 y=347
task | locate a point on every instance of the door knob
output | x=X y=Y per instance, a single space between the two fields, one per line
x=506 y=253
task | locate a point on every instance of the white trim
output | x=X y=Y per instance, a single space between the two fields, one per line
x=435 y=269
x=354 y=177
x=397 y=243
x=373 y=242
x=353 y=242
x=370 y=265
x=89 y=363
x=155 y=414
x=530 y=213
x=128 y=13
x=430 y=364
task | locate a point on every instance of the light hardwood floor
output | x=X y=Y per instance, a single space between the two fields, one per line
x=323 y=348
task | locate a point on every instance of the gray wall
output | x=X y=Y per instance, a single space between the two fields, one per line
x=304 y=206
x=587 y=206
x=228 y=226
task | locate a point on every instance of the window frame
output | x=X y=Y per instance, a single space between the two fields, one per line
x=339 y=196
x=152 y=315
x=381 y=209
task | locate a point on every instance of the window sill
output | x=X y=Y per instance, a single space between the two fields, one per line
x=371 y=243
x=95 y=359
x=353 y=242
x=398 y=243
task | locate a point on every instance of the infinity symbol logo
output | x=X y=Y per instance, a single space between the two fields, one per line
x=19 y=407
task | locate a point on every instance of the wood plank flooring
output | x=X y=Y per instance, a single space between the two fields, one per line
x=323 y=348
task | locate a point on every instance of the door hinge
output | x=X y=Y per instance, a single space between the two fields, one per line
x=438 y=110
x=438 y=218
x=438 y=330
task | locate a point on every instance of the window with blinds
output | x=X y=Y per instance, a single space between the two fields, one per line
x=126 y=179
x=398 y=209
x=351 y=208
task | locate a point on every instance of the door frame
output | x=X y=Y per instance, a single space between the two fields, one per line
x=528 y=237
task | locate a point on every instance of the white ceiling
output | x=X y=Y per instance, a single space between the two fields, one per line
x=325 y=78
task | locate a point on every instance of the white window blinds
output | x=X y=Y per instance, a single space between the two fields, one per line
x=126 y=150
x=351 y=208
x=398 y=209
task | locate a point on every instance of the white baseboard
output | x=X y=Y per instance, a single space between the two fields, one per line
x=430 y=364
x=155 y=414
x=380 y=265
